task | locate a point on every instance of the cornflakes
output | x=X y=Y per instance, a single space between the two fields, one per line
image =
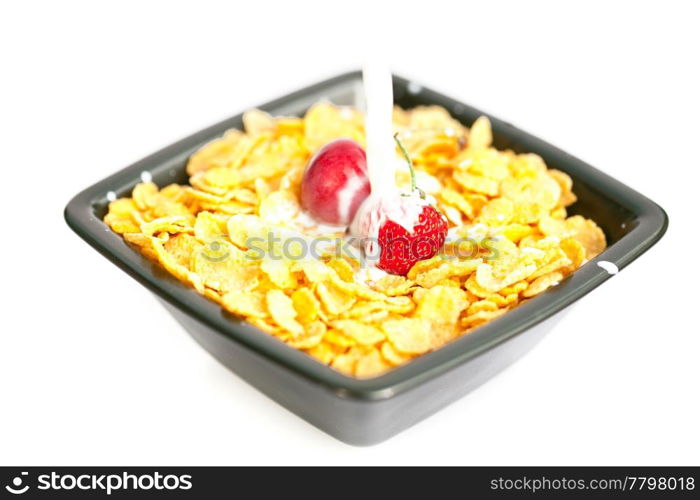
x=237 y=234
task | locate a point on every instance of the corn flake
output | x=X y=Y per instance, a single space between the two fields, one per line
x=281 y=308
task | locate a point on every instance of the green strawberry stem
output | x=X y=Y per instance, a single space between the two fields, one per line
x=410 y=164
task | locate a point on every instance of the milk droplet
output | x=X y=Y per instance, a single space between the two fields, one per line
x=111 y=196
x=609 y=267
x=146 y=176
x=414 y=88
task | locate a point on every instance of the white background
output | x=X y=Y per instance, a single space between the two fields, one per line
x=94 y=371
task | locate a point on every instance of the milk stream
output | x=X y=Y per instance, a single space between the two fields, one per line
x=379 y=102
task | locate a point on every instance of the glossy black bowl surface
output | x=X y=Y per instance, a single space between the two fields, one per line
x=370 y=410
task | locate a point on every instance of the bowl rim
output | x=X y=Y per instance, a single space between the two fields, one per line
x=651 y=223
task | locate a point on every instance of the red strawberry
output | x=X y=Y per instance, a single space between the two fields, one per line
x=401 y=249
x=403 y=227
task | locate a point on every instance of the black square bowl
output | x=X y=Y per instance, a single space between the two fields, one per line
x=367 y=411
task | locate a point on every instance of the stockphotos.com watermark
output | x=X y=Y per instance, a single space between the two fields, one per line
x=106 y=483
x=274 y=246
